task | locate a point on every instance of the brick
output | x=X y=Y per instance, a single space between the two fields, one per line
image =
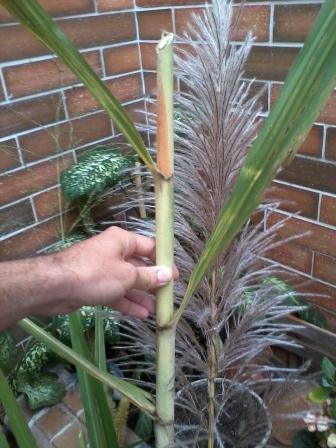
x=114 y=5
x=150 y=83
x=260 y=88
x=152 y=3
x=136 y=112
x=35 y=77
x=43 y=143
x=59 y=8
x=184 y=18
x=330 y=149
x=153 y=23
x=148 y=56
x=313 y=291
x=328 y=113
x=310 y=173
x=254 y=18
x=328 y=210
x=249 y=18
x=73 y=401
x=54 y=420
x=9 y=156
x=325 y=268
x=321 y=239
x=86 y=32
x=122 y=59
x=312 y=146
x=30 y=241
x=293 y=23
x=270 y=63
x=294 y=199
x=28 y=114
x=125 y=88
x=31 y=180
x=2 y=93
x=69 y=437
x=292 y=255
x=16 y=217
x=48 y=203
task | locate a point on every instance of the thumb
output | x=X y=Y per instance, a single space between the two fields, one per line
x=152 y=277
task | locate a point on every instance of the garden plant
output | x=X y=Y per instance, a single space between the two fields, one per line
x=223 y=168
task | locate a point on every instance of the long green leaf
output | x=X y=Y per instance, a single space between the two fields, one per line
x=104 y=406
x=31 y=14
x=93 y=392
x=96 y=435
x=306 y=89
x=17 y=422
x=137 y=396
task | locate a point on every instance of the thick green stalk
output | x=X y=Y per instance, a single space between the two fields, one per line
x=164 y=190
x=17 y=422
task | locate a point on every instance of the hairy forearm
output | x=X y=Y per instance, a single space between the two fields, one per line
x=33 y=286
x=108 y=269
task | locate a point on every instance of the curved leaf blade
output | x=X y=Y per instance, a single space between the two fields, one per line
x=18 y=424
x=137 y=396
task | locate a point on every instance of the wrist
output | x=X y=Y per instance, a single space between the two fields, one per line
x=62 y=284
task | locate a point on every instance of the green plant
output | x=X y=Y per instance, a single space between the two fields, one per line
x=321 y=425
x=97 y=170
x=293 y=298
x=40 y=388
x=307 y=87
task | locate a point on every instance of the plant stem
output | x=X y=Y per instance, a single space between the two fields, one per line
x=138 y=183
x=164 y=189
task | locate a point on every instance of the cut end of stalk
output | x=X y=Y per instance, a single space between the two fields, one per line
x=166 y=39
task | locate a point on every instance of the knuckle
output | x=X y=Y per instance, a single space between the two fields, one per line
x=114 y=230
x=149 y=279
x=130 y=274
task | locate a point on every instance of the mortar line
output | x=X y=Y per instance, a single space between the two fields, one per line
x=59 y=90
x=34 y=209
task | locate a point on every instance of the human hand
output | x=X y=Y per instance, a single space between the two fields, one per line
x=113 y=269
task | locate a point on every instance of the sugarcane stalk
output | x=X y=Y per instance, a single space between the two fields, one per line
x=164 y=192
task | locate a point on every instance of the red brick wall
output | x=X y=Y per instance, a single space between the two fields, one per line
x=35 y=89
x=46 y=117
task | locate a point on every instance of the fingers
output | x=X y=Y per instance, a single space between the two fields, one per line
x=132 y=244
x=131 y=308
x=152 y=277
x=143 y=299
x=139 y=262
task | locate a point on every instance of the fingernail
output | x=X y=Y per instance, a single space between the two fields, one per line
x=164 y=274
